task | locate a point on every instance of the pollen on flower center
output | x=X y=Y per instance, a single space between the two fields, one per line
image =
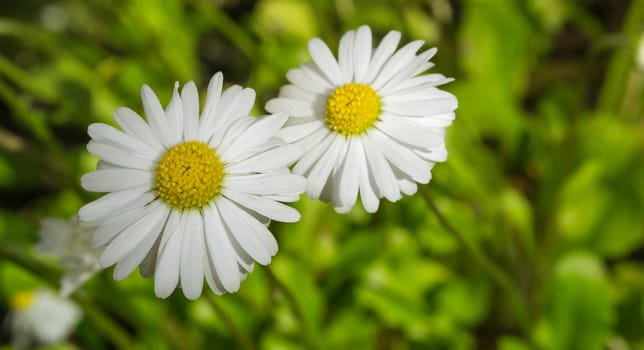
x=352 y=109
x=189 y=175
x=21 y=300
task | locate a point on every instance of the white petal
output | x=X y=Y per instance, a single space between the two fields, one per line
x=155 y=115
x=402 y=158
x=385 y=49
x=111 y=225
x=348 y=176
x=222 y=253
x=173 y=224
x=209 y=113
x=295 y=108
x=135 y=257
x=429 y=80
x=212 y=123
x=313 y=155
x=309 y=78
x=367 y=194
x=190 y=99
x=409 y=133
x=264 y=161
x=118 y=156
x=224 y=137
x=192 y=256
x=105 y=133
x=266 y=207
x=396 y=63
x=418 y=65
x=297 y=93
x=257 y=133
x=380 y=171
x=234 y=106
x=240 y=107
x=112 y=180
x=213 y=280
x=294 y=132
x=134 y=125
x=407 y=187
x=422 y=92
x=324 y=59
x=345 y=56
x=319 y=175
x=361 y=53
x=264 y=184
x=422 y=107
x=133 y=235
x=252 y=236
x=438 y=154
x=174 y=116
x=311 y=141
x=109 y=203
x=166 y=274
x=435 y=122
x=147 y=266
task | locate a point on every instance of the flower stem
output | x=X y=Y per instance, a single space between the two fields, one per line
x=496 y=273
x=228 y=27
x=104 y=323
x=297 y=310
x=612 y=91
x=242 y=340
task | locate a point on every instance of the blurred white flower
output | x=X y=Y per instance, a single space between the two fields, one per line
x=190 y=196
x=70 y=244
x=41 y=317
x=369 y=122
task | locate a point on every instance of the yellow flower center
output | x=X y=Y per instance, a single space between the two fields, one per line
x=21 y=300
x=189 y=175
x=352 y=109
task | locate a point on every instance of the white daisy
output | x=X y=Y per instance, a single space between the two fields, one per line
x=368 y=122
x=70 y=243
x=190 y=196
x=41 y=317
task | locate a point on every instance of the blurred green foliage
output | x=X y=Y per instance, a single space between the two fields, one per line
x=545 y=174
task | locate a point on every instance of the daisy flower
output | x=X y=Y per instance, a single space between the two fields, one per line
x=41 y=317
x=369 y=122
x=70 y=243
x=190 y=195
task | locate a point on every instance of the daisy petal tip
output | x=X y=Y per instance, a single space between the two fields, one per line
x=146 y=91
x=105 y=260
x=266 y=261
x=118 y=275
x=371 y=206
x=294 y=217
x=162 y=293
x=282 y=115
x=342 y=209
x=191 y=295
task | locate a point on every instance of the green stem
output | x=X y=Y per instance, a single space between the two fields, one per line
x=228 y=28
x=52 y=277
x=22 y=78
x=242 y=340
x=32 y=119
x=104 y=323
x=495 y=272
x=295 y=306
x=37 y=268
x=612 y=90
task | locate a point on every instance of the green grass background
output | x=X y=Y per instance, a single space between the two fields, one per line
x=530 y=236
